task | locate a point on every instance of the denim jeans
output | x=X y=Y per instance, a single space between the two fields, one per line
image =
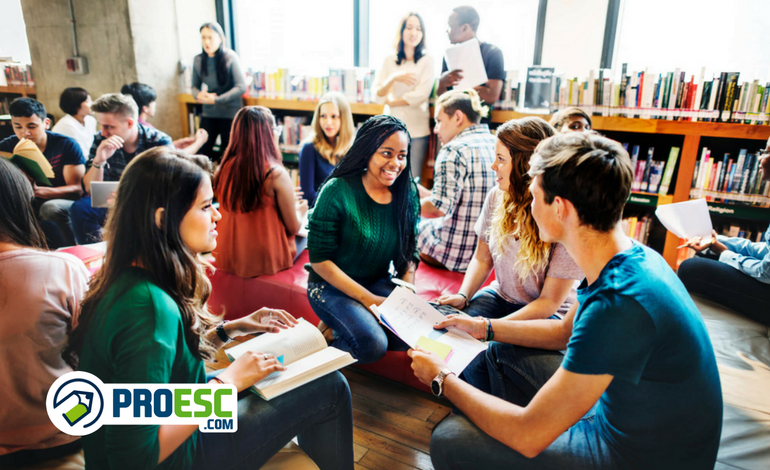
x=488 y=303
x=58 y=212
x=87 y=221
x=319 y=413
x=515 y=374
x=727 y=286
x=355 y=328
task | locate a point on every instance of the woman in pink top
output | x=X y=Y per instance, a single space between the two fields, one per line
x=40 y=292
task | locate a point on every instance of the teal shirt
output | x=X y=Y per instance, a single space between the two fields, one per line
x=637 y=323
x=137 y=336
x=358 y=234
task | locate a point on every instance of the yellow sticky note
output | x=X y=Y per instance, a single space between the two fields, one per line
x=427 y=344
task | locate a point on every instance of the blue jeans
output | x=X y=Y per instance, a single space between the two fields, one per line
x=515 y=374
x=87 y=221
x=355 y=328
x=488 y=303
x=319 y=413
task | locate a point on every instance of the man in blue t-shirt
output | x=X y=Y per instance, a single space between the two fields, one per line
x=53 y=203
x=121 y=139
x=638 y=385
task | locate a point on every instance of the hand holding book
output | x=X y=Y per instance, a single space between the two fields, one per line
x=250 y=368
x=264 y=320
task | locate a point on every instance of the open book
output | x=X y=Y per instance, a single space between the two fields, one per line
x=411 y=318
x=301 y=349
x=31 y=161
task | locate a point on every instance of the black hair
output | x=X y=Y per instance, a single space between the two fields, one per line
x=219 y=55
x=419 y=50
x=468 y=15
x=18 y=224
x=27 y=107
x=71 y=99
x=141 y=93
x=369 y=138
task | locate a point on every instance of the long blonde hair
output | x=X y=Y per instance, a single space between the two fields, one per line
x=344 y=137
x=513 y=216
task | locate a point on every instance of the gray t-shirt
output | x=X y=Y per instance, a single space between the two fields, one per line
x=229 y=94
x=507 y=283
x=40 y=294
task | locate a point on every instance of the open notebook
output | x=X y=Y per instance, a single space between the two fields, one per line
x=301 y=349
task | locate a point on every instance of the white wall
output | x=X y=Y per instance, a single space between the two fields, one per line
x=574 y=33
x=13 y=40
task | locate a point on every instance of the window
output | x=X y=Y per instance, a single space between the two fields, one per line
x=721 y=36
x=509 y=25
x=13 y=42
x=306 y=36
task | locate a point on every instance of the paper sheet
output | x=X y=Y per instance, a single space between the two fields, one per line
x=410 y=317
x=466 y=56
x=687 y=219
x=290 y=344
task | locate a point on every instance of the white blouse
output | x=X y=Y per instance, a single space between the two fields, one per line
x=82 y=133
x=416 y=115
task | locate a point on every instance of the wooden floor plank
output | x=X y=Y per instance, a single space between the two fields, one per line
x=391 y=448
x=438 y=415
x=392 y=416
x=359 y=452
x=391 y=431
x=392 y=394
x=376 y=461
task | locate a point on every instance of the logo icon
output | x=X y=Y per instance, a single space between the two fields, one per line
x=75 y=403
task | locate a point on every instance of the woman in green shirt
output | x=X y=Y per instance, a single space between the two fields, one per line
x=364 y=219
x=145 y=320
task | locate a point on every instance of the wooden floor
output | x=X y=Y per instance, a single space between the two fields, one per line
x=392 y=423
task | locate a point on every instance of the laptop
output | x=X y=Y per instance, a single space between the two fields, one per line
x=101 y=191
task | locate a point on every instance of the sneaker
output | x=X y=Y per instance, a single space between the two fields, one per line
x=326 y=331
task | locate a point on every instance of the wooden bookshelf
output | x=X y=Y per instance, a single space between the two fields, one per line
x=691 y=131
x=19 y=90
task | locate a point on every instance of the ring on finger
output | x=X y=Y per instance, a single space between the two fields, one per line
x=265 y=356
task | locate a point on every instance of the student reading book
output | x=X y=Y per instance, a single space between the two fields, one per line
x=302 y=350
x=31 y=161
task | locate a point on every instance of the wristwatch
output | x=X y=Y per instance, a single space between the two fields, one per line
x=222 y=334
x=437 y=385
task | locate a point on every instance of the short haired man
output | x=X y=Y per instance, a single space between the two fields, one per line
x=30 y=121
x=462 y=26
x=638 y=385
x=121 y=139
x=463 y=176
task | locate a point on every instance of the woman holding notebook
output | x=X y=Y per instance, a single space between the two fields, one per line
x=145 y=320
x=364 y=219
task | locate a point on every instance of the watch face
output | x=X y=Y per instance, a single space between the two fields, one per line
x=435 y=388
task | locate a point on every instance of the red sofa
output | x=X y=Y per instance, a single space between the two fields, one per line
x=287 y=290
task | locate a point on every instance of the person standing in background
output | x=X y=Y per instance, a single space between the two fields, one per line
x=404 y=85
x=78 y=122
x=217 y=83
x=463 y=24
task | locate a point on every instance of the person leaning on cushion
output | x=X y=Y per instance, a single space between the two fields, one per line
x=364 y=220
x=333 y=134
x=733 y=271
x=145 y=320
x=534 y=279
x=638 y=385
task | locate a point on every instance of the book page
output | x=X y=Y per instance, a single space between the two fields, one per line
x=687 y=219
x=410 y=317
x=466 y=56
x=288 y=345
x=302 y=371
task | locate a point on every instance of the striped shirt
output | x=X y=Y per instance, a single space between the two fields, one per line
x=463 y=177
x=149 y=137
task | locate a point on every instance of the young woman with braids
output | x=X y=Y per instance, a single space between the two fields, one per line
x=534 y=279
x=365 y=218
x=145 y=320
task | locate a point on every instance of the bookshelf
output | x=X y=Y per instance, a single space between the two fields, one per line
x=24 y=91
x=691 y=131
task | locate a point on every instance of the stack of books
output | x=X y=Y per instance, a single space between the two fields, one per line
x=18 y=75
x=295 y=132
x=650 y=175
x=355 y=84
x=636 y=228
x=730 y=179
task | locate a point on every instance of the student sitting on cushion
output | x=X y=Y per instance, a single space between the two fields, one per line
x=364 y=220
x=122 y=138
x=145 y=320
x=333 y=134
x=638 y=386
x=534 y=279
x=734 y=272
x=40 y=294
x=52 y=204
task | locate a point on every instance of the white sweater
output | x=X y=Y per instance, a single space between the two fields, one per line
x=416 y=116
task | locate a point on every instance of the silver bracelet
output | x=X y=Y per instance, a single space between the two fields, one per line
x=467 y=302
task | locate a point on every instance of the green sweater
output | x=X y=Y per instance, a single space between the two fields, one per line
x=137 y=337
x=349 y=228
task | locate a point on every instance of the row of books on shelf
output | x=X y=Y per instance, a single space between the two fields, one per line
x=295 y=131
x=650 y=175
x=730 y=179
x=649 y=95
x=17 y=75
x=637 y=228
x=5 y=105
x=355 y=84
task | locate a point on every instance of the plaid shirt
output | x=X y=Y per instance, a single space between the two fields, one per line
x=463 y=177
x=149 y=137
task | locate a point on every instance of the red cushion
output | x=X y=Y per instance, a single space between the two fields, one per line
x=287 y=290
